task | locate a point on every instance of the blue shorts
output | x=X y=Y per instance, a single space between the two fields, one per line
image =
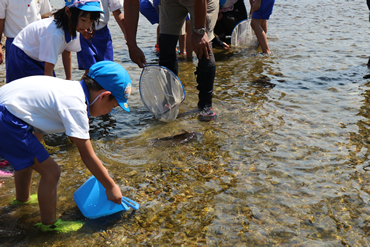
x=150 y=11
x=265 y=10
x=18 y=144
x=99 y=48
x=21 y=65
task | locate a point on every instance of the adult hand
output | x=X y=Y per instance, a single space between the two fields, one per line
x=137 y=56
x=114 y=194
x=201 y=45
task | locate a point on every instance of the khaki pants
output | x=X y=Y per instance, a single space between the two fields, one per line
x=172 y=16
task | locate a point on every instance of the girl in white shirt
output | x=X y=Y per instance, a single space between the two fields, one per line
x=36 y=48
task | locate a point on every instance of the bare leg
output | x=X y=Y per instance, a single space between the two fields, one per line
x=23 y=180
x=182 y=39
x=261 y=35
x=264 y=25
x=47 y=192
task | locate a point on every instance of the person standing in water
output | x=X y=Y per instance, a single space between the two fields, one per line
x=262 y=9
x=172 y=15
x=98 y=46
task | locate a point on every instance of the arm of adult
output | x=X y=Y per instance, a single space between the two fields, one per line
x=120 y=19
x=96 y=167
x=131 y=13
x=2 y=21
x=49 y=68
x=200 y=42
x=67 y=63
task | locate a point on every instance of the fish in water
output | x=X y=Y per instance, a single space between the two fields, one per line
x=183 y=137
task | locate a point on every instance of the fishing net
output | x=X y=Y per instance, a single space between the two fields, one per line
x=243 y=35
x=161 y=92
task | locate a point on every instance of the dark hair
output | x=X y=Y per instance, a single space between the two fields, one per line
x=93 y=86
x=62 y=19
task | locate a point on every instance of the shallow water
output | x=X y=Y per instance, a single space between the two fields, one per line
x=286 y=163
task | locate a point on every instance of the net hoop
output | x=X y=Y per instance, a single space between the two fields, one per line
x=161 y=92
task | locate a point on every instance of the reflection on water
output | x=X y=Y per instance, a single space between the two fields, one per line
x=285 y=163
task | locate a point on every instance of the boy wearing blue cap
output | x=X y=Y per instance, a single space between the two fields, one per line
x=53 y=105
x=36 y=48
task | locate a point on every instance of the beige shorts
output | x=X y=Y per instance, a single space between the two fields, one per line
x=172 y=16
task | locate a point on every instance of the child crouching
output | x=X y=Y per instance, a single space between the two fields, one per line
x=51 y=105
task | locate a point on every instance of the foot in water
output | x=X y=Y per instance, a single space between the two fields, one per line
x=61 y=226
x=33 y=200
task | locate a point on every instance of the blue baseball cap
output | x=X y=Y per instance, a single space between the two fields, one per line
x=85 y=5
x=114 y=78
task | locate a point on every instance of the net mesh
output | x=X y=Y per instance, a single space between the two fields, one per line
x=243 y=35
x=161 y=92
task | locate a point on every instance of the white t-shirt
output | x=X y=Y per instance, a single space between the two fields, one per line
x=49 y=104
x=44 y=41
x=107 y=5
x=19 y=13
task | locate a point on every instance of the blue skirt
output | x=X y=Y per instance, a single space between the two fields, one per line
x=265 y=10
x=20 y=65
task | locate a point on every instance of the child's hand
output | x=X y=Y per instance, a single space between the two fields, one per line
x=88 y=34
x=114 y=194
x=219 y=16
x=225 y=46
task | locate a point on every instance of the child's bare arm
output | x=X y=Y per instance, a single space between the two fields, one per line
x=49 y=68
x=67 y=63
x=95 y=166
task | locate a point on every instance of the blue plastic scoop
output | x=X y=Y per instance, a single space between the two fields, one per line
x=93 y=203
